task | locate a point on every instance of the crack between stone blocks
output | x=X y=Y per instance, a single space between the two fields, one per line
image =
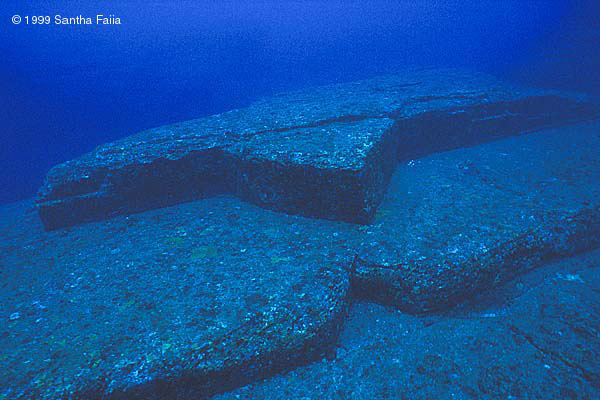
x=591 y=377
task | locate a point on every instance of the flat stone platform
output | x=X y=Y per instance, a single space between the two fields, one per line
x=176 y=303
x=533 y=338
x=325 y=152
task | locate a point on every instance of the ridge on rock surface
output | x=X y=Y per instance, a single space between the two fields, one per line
x=325 y=152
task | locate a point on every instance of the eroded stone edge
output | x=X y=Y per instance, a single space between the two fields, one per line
x=191 y=378
x=418 y=287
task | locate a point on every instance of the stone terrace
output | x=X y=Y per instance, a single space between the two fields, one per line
x=325 y=152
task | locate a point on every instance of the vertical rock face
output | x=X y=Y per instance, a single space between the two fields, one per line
x=325 y=152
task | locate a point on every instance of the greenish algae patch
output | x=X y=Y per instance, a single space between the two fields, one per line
x=203 y=252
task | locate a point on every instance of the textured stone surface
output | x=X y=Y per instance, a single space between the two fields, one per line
x=458 y=222
x=534 y=338
x=176 y=303
x=203 y=296
x=325 y=152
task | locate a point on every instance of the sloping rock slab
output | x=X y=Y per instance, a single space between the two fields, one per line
x=457 y=223
x=325 y=152
x=176 y=303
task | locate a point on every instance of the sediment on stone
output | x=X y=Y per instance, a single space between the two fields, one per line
x=199 y=297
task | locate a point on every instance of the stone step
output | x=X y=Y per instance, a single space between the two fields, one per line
x=455 y=223
x=325 y=152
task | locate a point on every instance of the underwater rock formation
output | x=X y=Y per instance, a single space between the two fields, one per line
x=185 y=288
x=456 y=223
x=325 y=152
x=194 y=299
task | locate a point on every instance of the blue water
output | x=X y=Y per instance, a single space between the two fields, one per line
x=66 y=89
x=477 y=276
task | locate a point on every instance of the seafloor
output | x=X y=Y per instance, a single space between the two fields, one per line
x=485 y=256
x=536 y=337
x=234 y=293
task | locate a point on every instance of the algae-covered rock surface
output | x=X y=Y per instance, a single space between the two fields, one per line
x=325 y=152
x=198 y=298
x=174 y=303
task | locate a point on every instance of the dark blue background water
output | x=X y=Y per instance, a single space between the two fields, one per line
x=66 y=89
